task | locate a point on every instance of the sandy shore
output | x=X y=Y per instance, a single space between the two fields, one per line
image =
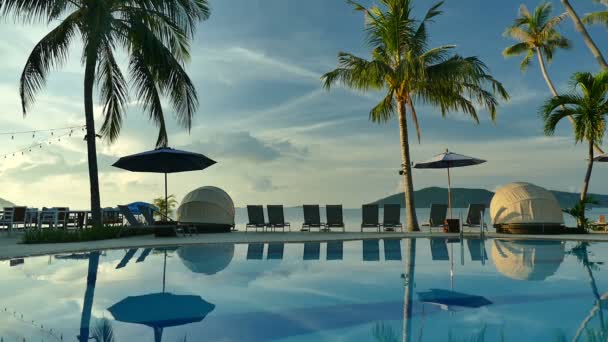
x=10 y=246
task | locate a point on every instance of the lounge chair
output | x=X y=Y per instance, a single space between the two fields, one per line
x=148 y=215
x=371 y=250
x=110 y=216
x=256 y=217
x=437 y=215
x=255 y=251
x=369 y=213
x=392 y=217
x=31 y=217
x=54 y=217
x=144 y=254
x=128 y=215
x=477 y=250
x=13 y=217
x=128 y=256
x=312 y=250
x=392 y=249
x=335 y=218
x=335 y=250
x=276 y=217
x=312 y=218
x=474 y=215
x=275 y=250
x=439 y=249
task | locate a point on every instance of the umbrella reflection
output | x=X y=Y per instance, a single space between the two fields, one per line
x=163 y=310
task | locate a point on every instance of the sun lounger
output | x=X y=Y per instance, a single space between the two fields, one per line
x=128 y=256
x=13 y=217
x=312 y=218
x=369 y=213
x=371 y=250
x=256 y=217
x=392 y=249
x=148 y=215
x=312 y=250
x=144 y=254
x=437 y=215
x=439 y=249
x=255 y=251
x=392 y=217
x=128 y=215
x=275 y=250
x=474 y=215
x=31 y=217
x=276 y=218
x=54 y=217
x=335 y=250
x=335 y=217
x=477 y=250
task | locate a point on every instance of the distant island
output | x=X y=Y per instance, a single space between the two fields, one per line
x=461 y=197
x=5 y=204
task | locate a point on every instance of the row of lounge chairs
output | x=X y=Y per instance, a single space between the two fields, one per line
x=57 y=217
x=334 y=215
x=439 y=213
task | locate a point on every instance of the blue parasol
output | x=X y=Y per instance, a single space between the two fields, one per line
x=134 y=207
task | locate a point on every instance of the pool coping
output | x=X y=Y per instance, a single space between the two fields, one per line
x=11 y=248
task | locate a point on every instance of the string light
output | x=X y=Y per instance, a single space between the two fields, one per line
x=51 y=130
x=37 y=144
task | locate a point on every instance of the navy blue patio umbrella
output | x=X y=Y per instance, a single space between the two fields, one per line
x=164 y=160
x=449 y=298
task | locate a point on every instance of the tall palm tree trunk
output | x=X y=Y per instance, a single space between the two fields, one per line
x=410 y=208
x=587 y=179
x=588 y=174
x=87 y=306
x=543 y=69
x=578 y=25
x=410 y=264
x=592 y=282
x=89 y=81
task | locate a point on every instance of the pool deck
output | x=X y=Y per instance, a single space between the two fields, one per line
x=10 y=246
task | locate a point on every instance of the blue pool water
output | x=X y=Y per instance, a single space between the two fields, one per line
x=335 y=291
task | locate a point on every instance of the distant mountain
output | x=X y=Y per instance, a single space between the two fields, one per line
x=461 y=197
x=5 y=203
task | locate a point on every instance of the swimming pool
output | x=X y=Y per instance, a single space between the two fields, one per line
x=370 y=290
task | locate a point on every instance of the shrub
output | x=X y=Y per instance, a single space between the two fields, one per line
x=80 y=235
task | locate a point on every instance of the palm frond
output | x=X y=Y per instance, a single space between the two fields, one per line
x=143 y=81
x=384 y=110
x=29 y=11
x=113 y=92
x=596 y=18
x=50 y=52
x=357 y=73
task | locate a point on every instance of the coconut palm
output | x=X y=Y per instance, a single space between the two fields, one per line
x=411 y=73
x=578 y=25
x=537 y=35
x=588 y=108
x=156 y=36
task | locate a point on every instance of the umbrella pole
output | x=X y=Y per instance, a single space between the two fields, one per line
x=164 y=271
x=450 y=194
x=166 y=200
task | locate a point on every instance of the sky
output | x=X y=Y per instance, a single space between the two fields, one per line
x=276 y=135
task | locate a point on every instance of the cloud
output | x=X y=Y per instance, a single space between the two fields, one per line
x=244 y=146
x=263 y=184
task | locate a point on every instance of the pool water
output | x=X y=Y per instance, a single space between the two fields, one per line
x=371 y=290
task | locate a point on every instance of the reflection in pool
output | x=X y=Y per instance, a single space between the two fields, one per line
x=371 y=290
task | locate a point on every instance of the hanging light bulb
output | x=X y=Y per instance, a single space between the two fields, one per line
x=12 y=137
x=33 y=135
x=52 y=133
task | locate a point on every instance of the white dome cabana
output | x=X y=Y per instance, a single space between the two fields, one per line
x=527 y=260
x=525 y=208
x=208 y=208
x=206 y=259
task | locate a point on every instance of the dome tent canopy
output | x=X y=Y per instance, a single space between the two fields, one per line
x=525 y=204
x=527 y=260
x=208 y=207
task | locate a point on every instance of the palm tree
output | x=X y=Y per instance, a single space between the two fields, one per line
x=166 y=207
x=410 y=72
x=155 y=34
x=589 y=109
x=578 y=25
x=87 y=306
x=600 y=17
x=536 y=34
